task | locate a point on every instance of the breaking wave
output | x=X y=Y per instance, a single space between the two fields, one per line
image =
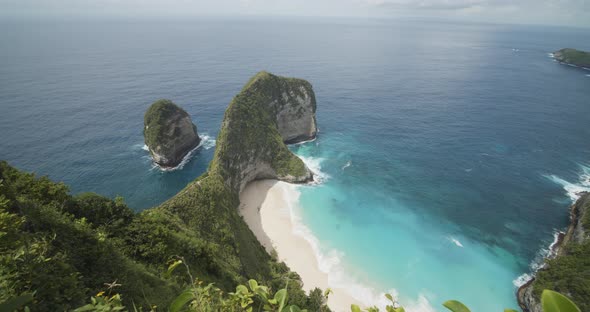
x=206 y=143
x=330 y=262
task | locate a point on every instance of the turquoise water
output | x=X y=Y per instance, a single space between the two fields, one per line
x=449 y=152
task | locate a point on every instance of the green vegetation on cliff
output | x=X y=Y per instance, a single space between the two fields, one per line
x=169 y=133
x=569 y=272
x=156 y=118
x=573 y=56
x=249 y=129
x=65 y=248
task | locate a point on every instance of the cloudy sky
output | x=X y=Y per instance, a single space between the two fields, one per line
x=560 y=12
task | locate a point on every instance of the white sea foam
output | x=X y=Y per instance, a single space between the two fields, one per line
x=206 y=143
x=145 y=148
x=315 y=165
x=574 y=190
x=538 y=262
x=455 y=241
x=330 y=262
x=551 y=55
x=348 y=164
x=303 y=142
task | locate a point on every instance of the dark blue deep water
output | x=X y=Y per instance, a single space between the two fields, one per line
x=451 y=152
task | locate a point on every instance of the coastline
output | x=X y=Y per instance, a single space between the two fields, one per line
x=266 y=206
x=524 y=293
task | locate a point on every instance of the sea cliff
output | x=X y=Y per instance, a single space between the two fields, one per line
x=269 y=111
x=567 y=269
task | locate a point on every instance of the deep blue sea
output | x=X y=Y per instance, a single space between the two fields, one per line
x=449 y=152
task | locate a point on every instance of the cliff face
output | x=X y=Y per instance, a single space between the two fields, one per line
x=169 y=133
x=573 y=57
x=294 y=109
x=269 y=111
x=568 y=270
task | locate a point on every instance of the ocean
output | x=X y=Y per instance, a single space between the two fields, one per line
x=448 y=153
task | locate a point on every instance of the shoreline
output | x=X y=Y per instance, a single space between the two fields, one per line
x=562 y=238
x=266 y=207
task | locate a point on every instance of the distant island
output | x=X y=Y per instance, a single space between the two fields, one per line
x=573 y=57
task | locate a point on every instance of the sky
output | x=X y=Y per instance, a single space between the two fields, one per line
x=548 y=12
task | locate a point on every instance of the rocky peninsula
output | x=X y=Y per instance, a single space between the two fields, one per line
x=169 y=133
x=249 y=147
x=573 y=57
x=567 y=270
x=269 y=112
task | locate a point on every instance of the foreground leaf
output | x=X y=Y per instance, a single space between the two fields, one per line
x=555 y=302
x=455 y=306
x=181 y=300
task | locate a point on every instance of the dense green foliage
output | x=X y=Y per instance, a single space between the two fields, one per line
x=49 y=249
x=574 y=57
x=570 y=272
x=156 y=120
x=65 y=248
x=249 y=129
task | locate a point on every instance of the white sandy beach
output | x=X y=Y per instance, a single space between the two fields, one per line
x=265 y=208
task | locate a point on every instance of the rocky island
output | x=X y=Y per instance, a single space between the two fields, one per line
x=568 y=269
x=573 y=57
x=169 y=133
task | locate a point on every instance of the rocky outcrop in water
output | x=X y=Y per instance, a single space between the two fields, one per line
x=169 y=133
x=567 y=264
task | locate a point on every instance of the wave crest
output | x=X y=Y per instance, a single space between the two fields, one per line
x=206 y=143
x=574 y=190
x=315 y=165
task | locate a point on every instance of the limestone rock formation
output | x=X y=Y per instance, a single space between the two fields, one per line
x=269 y=112
x=169 y=133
